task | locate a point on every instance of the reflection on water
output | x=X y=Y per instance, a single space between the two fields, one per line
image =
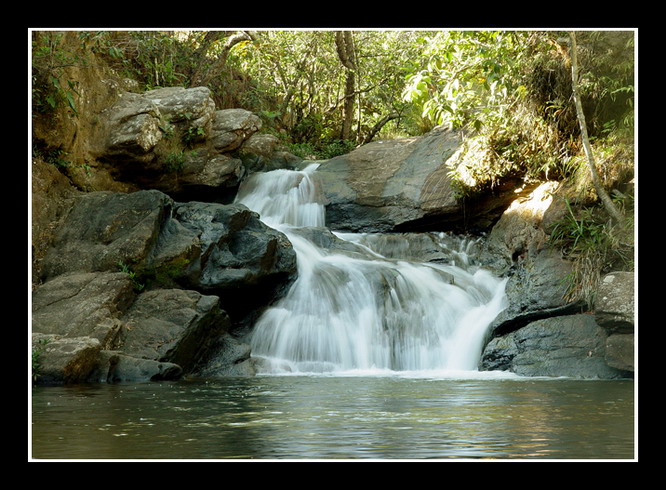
x=320 y=417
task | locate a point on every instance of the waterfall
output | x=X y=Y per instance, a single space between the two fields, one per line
x=363 y=304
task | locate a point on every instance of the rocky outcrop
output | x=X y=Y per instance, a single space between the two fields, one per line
x=174 y=139
x=542 y=332
x=403 y=185
x=572 y=346
x=137 y=286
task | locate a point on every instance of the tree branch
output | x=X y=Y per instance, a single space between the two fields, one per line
x=596 y=181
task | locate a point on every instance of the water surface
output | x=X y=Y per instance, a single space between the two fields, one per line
x=337 y=417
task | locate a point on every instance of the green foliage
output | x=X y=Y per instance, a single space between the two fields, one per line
x=323 y=151
x=137 y=284
x=175 y=162
x=50 y=90
x=36 y=354
x=59 y=158
x=594 y=245
x=469 y=78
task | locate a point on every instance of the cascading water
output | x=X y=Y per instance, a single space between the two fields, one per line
x=361 y=306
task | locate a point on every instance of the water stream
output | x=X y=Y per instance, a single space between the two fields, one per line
x=371 y=355
x=360 y=303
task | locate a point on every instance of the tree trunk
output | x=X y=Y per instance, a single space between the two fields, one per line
x=345 y=48
x=596 y=180
x=377 y=127
x=205 y=74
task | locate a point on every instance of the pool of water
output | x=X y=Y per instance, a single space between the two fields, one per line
x=337 y=417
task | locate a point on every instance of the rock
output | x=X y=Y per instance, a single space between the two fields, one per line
x=614 y=304
x=233 y=359
x=203 y=176
x=242 y=260
x=518 y=231
x=86 y=304
x=114 y=367
x=571 y=346
x=193 y=109
x=620 y=351
x=231 y=127
x=63 y=360
x=133 y=128
x=214 y=248
x=174 y=326
x=401 y=185
x=106 y=229
x=261 y=153
x=174 y=140
x=537 y=288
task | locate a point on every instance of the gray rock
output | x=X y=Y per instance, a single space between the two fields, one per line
x=571 y=346
x=63 y=360
x=114 y=367
x=82 y=305
x=193 y=108
x=537 y=288
x=105 y=229
x=614 y=305
x=231 y=127
x=402 y=185
x=620 y=351
x=238 y=250
x=133 y=128
x=173 y=325
x=233 y=359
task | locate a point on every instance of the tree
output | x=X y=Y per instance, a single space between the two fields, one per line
x=608 y=204
x=344 y=44
x=206 y=72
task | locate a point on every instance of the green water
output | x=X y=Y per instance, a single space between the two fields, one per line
x=337 y=417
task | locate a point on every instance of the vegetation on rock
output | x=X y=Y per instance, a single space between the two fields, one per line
x=324 y=92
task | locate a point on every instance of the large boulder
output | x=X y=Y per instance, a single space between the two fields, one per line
x=403 y=184
x=173 y=139
x=245 y=262
x=63 y=360
x=192 y=109
x=571 y=346
x=104 y=230
x=231 y=127
x=86 y=304
x=536 y=288
x=133 y=128
x=173 y=325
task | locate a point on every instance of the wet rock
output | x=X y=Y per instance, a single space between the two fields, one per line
x=571 y=346
x=115 y=367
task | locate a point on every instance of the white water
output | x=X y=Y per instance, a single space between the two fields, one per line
x=358 y=310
